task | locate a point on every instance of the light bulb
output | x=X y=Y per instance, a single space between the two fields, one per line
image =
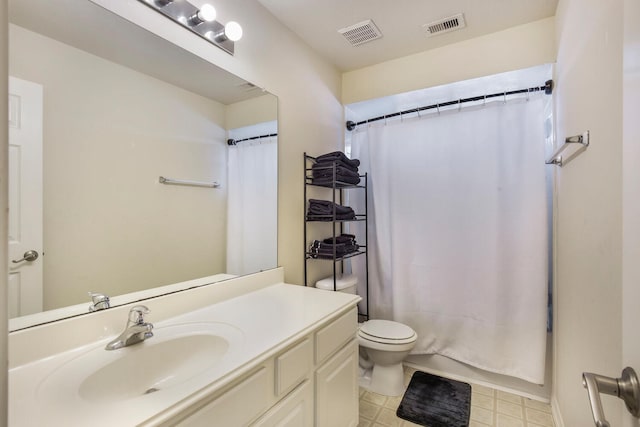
x=207 y=13
x=233 y=31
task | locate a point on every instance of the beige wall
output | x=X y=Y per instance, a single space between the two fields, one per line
x=4 y=138
x=588 y=237
x=631 y=192
x=252 y=111
x=512 y=49
x=109 y=133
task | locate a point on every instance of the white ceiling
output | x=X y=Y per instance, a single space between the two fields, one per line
x=317 y=22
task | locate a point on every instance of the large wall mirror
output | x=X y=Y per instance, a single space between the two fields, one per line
x=100 y=109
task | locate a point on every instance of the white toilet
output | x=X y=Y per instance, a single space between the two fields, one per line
x=383 y=346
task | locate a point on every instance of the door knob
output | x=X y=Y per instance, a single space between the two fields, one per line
x=28 y=256
x=626 y=388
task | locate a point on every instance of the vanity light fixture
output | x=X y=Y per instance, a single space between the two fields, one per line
x=201 y=21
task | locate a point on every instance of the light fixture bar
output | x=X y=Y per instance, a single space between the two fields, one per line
x=182 y=13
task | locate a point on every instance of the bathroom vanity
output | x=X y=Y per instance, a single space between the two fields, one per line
x=247 y=351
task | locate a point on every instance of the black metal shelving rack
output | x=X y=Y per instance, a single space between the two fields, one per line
x=338 y=189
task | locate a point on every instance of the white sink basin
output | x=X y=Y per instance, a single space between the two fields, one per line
x=176 y=355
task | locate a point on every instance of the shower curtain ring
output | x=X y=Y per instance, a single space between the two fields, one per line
x=418 y=111
x=484 y=103
x=505 y=98
x=459 y=104
x=438 y=107
x=401 y=117
x=528 y=94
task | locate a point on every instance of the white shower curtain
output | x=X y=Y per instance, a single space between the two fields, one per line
x=458 y=233
x=252 y=212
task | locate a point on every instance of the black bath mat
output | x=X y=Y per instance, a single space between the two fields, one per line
x=434 y=401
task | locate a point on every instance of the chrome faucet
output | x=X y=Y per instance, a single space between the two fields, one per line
x=98 y=302
x=137 y=330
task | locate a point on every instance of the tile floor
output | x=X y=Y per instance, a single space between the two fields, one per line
x=489 y=408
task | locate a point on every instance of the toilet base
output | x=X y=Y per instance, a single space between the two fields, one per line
x=384 y=380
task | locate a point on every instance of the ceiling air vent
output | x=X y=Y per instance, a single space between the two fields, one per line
x=445 y=25
x=361 y=32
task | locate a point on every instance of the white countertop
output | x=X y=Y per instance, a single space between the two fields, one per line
x=268 y=319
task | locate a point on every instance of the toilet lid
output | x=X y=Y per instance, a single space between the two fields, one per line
x=387 y=331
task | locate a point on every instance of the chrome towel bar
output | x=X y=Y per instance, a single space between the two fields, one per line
x=579 y=141
x=171 y=181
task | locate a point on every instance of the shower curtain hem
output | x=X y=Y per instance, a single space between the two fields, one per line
x=480 y=366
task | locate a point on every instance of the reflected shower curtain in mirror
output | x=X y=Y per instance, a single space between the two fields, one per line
x=252 y=206
x=458 y=233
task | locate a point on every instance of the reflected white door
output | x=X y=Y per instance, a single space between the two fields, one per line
x=25 y=197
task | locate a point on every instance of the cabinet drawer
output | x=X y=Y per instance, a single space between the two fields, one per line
x=333 y=336
x=238 y=406
x=292 y=366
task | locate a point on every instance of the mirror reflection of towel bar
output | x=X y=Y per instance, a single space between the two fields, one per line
x=171 y=181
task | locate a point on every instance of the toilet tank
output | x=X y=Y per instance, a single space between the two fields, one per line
x=344 y=283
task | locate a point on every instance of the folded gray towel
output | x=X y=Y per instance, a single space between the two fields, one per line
x=323 y=210
x=340 y=157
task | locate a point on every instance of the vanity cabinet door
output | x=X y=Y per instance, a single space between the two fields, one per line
x=295 y=410
x=237 y=406
x=337 y=389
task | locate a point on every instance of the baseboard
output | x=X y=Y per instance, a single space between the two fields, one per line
x=555 y=412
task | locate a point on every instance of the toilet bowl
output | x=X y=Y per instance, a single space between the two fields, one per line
x=383 y=346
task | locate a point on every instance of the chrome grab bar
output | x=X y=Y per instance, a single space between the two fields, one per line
x=581 y=141
x=171 y=181
x=626 y=388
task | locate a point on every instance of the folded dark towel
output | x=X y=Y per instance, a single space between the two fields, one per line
x=341 y=181
x=327 y=252
x=338 y=156
x=318 y=206
x=325 y=217
x=345 y=217
x=321 y=170
x=326 y=165
x=320 y=249
x=343 y=238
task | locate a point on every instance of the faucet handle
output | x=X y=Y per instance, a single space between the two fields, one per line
x=136 y=314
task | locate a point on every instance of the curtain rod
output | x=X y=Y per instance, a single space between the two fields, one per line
x=235 y=141
x=547 y=88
